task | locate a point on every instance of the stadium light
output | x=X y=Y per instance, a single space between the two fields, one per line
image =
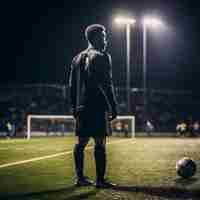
x=127 y=22
x=152 y=22
x=124 y=20
x=148 y=22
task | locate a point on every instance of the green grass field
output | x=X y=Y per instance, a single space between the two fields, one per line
x=143 y=168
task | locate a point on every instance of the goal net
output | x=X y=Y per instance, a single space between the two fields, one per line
x=64 y=125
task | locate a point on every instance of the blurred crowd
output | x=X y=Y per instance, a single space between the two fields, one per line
x=17 y=102
x=164 y=109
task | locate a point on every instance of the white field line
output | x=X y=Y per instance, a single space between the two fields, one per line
x=3 y=148
x=51 y=156
x=15 y=149
x=22 y=149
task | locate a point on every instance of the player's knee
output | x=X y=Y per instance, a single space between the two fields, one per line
x=79 y=147
x=100 y=147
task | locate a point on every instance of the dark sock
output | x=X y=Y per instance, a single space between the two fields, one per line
x=79 y=160
x=100 y=159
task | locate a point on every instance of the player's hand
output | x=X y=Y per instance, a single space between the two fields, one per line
x=113 y=114
x=75 y=114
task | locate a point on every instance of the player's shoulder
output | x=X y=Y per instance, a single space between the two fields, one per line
x=93 y=53
x=76 y=59
x=98 y=55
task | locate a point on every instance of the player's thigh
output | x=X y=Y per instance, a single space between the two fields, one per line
x=83 y=141
x=100 y=140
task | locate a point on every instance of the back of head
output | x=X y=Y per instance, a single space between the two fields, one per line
x=94 y=31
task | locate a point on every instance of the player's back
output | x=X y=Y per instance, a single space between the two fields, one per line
x=92 y=65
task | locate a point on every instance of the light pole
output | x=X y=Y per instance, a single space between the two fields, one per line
x=127 y=22
x=152 y=23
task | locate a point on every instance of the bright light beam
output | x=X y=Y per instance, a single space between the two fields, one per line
x=127 y=22
x=124 y=20
x=152 y=22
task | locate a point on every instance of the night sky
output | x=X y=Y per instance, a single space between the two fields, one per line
x=40 y=38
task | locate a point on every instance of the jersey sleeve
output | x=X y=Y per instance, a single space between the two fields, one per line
x=104 y=78
x=72 y=84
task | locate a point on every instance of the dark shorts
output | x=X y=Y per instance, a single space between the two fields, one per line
x=93 y=124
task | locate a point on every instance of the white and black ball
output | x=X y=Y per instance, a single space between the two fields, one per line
x=186 y=167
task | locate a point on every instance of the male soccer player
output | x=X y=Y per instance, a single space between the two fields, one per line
x=92 y=98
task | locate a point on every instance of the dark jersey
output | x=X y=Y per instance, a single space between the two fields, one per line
x=90 y=82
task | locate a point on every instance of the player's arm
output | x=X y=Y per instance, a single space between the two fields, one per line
x=72 y=86
x=106 y=82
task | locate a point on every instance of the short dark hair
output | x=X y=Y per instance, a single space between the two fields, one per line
x=93 y=30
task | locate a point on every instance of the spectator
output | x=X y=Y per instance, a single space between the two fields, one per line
x=196 y=127
x=125 y=129
x=181 y=128
x=10 y=129
x=149 y=127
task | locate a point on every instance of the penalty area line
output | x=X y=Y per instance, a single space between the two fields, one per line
x=50 y=156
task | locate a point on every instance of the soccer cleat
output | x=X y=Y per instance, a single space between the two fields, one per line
x=85 y=181
x=104 y=184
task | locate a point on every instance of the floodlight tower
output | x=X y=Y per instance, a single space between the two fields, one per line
x=148 y=22
x=127 y=22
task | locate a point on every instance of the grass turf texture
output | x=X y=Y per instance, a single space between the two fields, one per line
x=143 y=168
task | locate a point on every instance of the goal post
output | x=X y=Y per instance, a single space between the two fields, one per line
x=47 y=117
x=122 y=125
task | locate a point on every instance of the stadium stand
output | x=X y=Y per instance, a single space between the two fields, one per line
x=164 y=108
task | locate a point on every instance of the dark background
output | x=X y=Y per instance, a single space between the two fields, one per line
x=40 y=38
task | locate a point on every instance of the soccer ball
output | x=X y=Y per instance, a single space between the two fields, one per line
x=186 y=167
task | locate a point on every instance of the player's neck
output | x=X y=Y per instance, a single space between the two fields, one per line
x=90 y=46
